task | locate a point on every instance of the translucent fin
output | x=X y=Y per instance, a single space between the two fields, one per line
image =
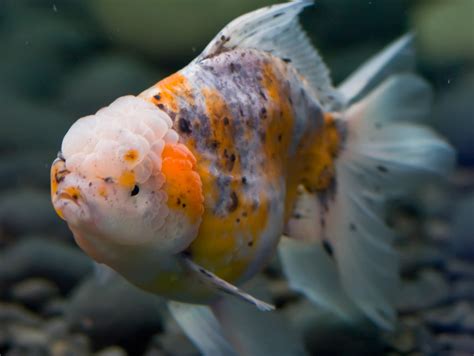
x=221 y=285
x=202 y=327
x=386 y=152
x=381 y=158
x=397 y=57
x=300 y=260
x=254 y=333
x=302 y=224
x=275 y=29
x=103 y=273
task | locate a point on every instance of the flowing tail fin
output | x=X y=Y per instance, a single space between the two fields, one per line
x=386 y=152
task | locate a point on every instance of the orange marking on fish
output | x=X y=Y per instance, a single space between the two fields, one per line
x=54 y=180
x=183 y=184
x=279 y=127
x=221 y=132
x=225 y=244
x=170 y=89
x=73 y=192
x=127 y=179
x=315 y=167
x=102 y=191
x=319 y=175
x=131 y=156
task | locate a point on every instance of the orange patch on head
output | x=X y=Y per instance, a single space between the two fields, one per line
x=183 y=184
x=127 y=179
x=130 y=156
x=53 y=179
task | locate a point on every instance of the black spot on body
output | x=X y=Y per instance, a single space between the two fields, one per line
x=250 y=243
x=226 y=121
x=233 y=203
x=184 y=126
x=214 y=144
x=352 y=227
x=244 y=180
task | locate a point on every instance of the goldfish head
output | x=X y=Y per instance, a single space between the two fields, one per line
x=123 y=179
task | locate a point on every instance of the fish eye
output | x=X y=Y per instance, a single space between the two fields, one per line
x=135 y=190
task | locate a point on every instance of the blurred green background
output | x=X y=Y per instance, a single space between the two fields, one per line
x=60 y=60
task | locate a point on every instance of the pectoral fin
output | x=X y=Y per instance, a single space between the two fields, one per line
x=222 y=286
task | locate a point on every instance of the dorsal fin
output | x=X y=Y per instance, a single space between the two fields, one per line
x=275 y=29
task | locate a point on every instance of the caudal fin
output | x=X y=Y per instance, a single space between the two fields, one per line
x=386 y=152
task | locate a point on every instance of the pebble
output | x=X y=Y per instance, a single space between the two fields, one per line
x=456 y=343
x=460 y=269
x=463 y=226
x=56 y=328
x=27 y=337
x=415 y=256
x=403 y=340
x=34 y=292
x=463 y=290
x=114 y=312
x=452 y=318
x=324 y=333
x=62 y=264
x=10 y=312
x=72 y=345
x=111 y=351
x=176 y=344
x=428 y=290
x=54 y=307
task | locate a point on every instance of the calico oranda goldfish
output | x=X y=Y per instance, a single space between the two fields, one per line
x=187 y=188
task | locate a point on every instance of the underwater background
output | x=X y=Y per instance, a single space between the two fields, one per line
x=60 y=60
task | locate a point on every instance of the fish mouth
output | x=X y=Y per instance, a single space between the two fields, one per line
x=69 y=206
x=63 y=196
